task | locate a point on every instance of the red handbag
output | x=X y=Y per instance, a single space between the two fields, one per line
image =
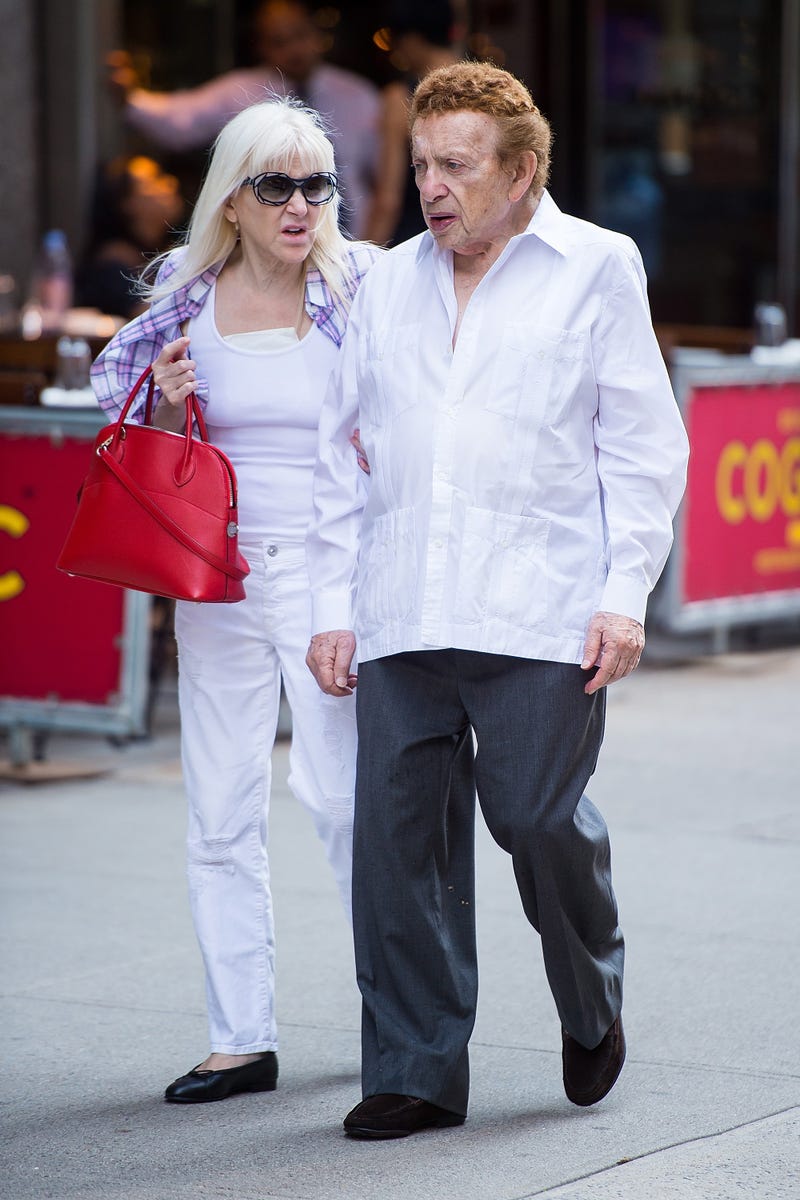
x=157 y=511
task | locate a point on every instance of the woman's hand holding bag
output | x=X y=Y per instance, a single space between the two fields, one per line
x=158 y=511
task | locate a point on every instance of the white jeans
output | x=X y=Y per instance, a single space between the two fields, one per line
x=231 y=660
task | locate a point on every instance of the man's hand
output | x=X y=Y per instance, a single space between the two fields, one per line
x=329 y=658
x=614 y=645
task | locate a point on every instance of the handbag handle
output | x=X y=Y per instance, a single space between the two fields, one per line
x=193 y=413
x=148 y=405
x=166 y=522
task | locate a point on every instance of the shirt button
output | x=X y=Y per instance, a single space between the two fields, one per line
x=438 y=543
x=272 y=551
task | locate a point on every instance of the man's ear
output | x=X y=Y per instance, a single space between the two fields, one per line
x=523 y=174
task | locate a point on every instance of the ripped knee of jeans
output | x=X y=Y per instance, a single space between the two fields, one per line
x=338 y=731
x=340 y=811
x=211 y=854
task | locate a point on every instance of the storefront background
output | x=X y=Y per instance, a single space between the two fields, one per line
x=676 y=121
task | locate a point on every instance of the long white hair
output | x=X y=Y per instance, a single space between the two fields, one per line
x=263 y=137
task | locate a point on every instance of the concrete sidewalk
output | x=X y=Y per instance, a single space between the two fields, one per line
x=102 y=1000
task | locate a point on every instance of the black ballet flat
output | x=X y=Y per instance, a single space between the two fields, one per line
x=198 y=1087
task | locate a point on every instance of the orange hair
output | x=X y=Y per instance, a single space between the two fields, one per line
x=484 y=88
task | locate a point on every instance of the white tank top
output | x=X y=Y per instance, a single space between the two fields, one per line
x=263 y=411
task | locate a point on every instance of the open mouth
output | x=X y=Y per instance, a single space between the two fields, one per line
x=294 y=231
x=439 y=222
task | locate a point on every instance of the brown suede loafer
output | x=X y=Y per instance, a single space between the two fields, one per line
x=590 y=1074
x=198 y=1087
x=390 y=1116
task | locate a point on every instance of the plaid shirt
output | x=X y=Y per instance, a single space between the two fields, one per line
x=138 y=343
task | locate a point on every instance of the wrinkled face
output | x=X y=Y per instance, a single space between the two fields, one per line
x=284 y=232
x=288 y=40
x=469 y=198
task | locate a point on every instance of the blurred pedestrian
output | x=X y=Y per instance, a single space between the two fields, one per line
x=136 y=210
x=421 y=34
x=527 y=458
x=289 y=46
x=260 y=291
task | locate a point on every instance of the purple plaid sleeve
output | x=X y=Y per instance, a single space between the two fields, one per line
x=121 y=363
x=138 y=343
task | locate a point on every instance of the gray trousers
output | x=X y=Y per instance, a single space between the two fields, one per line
x=538 y=738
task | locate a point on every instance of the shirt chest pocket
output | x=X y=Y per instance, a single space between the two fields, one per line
x=391 y=366
x=538 y=370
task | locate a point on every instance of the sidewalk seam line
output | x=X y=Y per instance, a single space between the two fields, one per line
x=704 y=1137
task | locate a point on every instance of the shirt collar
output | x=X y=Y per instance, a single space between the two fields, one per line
x=548 y=224
x=318 y=297
x=197 y=290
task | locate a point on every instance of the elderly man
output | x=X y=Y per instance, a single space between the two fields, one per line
x=527 y=459
x=289 y=45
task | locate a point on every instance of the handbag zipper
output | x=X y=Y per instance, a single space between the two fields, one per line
x=174 y=433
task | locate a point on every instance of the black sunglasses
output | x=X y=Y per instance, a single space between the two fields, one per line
x=273 y=187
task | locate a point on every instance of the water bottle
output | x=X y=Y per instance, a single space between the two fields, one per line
x=52 y=288
x=770 y=325
x=73 y=360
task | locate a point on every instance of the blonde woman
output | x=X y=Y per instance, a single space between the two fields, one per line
x=250 y=314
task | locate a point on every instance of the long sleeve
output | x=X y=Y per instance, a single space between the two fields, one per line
x=338 y=497
x=642 y=447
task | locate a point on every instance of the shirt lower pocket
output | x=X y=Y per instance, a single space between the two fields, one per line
x=387 y=571
x=502 y=570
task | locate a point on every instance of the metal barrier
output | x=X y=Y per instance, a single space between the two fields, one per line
x=736 y=557
x=73 y=654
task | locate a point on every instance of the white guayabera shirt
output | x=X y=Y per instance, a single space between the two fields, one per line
x=521 y=481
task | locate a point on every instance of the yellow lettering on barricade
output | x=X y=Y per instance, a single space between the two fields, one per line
x=775 y=562
x=761 y=480
x=758 y=480
x=731 y=507
x=790 y=477
x=15 y=523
